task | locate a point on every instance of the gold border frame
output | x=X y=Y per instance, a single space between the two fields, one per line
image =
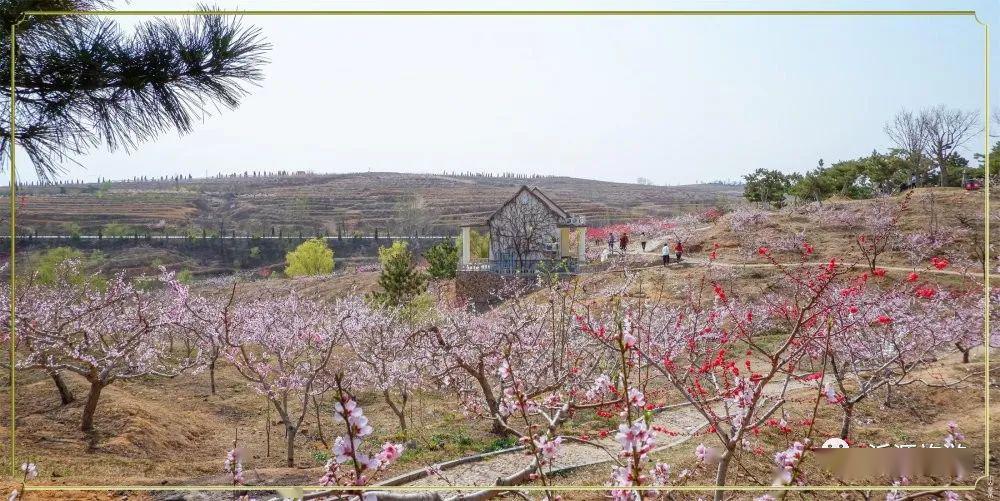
x=301 y=489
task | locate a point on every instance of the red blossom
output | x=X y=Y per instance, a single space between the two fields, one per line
x=721 y=294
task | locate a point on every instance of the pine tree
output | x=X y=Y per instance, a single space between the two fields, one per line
x=400 y=280
x=442 y=259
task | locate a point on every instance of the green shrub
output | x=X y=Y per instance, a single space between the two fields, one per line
x=185 y=276
x=500 y=443
x=50 y=265
x=73 y=230
x=116 y=230
x=312 y=257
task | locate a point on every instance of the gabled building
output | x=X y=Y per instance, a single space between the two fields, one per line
x=528 y=233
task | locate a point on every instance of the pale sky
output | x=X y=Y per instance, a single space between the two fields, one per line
x=673 y=99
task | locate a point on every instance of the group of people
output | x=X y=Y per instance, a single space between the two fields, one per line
x=623 y=240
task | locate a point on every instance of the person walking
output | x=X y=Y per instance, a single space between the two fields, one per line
x=642 y=240
x=666 y=253
x=679 y=249
x=611 y=241
x=624 y=242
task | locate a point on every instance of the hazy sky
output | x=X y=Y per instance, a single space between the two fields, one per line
x=673 y=99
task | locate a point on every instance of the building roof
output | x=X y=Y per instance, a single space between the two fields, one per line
x=554 y=207
x=561 y=215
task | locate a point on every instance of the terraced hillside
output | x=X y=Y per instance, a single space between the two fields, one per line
x=328 y=202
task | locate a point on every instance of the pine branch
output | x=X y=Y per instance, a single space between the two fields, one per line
x=82 y=82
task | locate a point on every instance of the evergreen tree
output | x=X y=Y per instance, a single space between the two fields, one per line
x=767 y=187
x=400 y=280
x=443 y=259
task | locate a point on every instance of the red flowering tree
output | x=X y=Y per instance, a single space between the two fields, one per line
x=886 y=329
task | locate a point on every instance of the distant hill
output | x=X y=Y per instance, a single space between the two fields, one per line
x=323 y=202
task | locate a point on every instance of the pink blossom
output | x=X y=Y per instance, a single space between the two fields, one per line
x=636 y=398
x=30 y=470
x=701 y=452
x=391 y=451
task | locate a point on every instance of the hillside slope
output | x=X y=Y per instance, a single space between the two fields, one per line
x=322 y=202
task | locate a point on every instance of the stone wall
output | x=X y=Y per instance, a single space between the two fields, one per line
x=479 y=286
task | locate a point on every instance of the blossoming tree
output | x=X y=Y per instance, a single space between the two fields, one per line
x=103 y=333
x=284 y=348
x=383 y=358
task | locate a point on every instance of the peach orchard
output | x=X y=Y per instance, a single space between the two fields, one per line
x=846 y=332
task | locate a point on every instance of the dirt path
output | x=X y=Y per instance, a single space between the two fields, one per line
x=653 y=249
x=685 y=420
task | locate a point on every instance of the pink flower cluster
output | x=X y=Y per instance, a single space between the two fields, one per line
x=954 y=437
x=233 y=465
x=787 y=460
x=347 y=448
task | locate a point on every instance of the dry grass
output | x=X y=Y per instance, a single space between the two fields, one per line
x=172 y=431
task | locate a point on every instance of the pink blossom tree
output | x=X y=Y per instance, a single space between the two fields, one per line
x=103 y=333
x=920 y=246
x=747 y=225
x=878 y=228
x=207 y=320
x=622 y=330
x=384 y=358
x=465 y=347
x=349 y=464
x=284 y=347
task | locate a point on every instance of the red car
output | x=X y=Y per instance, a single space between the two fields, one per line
x=973 y=185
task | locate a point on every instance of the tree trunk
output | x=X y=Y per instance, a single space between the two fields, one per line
x=491 y=403
x=211 y=374
x=965 y=352
x=845 y=428
x=290 y=444
x=399 y=411
x=64 y=392
x=494 y=407
x=87 y=423
x=319 y=423
x=720 y=475
x=942 y=165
